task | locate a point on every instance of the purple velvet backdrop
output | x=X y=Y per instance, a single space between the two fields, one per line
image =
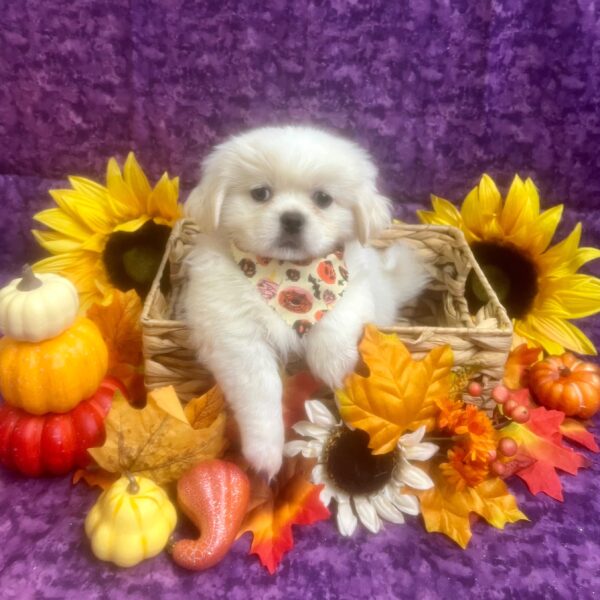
x=438 y=91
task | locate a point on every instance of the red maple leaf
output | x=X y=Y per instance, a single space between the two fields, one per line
x=541 y=452
x=575 y=431
x=292 y=501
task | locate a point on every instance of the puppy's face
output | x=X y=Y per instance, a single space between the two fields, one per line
x=290 y=193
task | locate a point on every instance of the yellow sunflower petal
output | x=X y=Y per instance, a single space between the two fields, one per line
x=481 y=211
x=490 y=201
x=583 y=256
x=55 y=242
x=133 y=225
x=56 y=219
x=471 y=216
x=136 y=178
x=124 y=201
x=517 y=207
x=571 y=297
x=73 y=262
x=90 y=189
x=162 y=201
x=95 y=243
x=446 y=211
x=544 y=228
x=532 y=193
x=86 y=210
x=556 y=260
x=555 y=335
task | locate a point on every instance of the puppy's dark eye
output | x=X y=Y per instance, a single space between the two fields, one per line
x=261 y=194
x=321 y=199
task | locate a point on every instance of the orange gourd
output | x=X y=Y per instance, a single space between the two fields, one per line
x=568 y=384
x=214 y=495
x=56 y=374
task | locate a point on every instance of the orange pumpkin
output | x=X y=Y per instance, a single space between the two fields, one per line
x=54 y=375
x=568 y=384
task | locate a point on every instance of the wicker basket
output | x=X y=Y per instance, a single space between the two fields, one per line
x=480 y=342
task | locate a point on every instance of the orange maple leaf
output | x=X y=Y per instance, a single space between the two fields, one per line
x=541 y=452
x=120 y=326
x=292 y=501
x=448 y=510
x=517 y=366
x=398 y=393
x=94 y=476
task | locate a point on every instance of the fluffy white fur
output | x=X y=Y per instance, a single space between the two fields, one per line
x=237 y=335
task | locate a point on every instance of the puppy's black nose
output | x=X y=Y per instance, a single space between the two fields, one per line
x=292 y=222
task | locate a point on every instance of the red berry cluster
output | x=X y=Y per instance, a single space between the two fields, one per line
x=507 y=447
x=515 y=405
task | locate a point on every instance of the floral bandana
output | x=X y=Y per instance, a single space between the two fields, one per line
x=300 y=292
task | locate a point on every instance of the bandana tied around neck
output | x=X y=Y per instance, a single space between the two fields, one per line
x=300 y=292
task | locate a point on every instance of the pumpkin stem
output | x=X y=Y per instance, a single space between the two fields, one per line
x=28 y=280
x=133 y=487
x=564 y=372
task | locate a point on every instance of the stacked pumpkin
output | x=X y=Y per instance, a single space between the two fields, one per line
x=52 y=368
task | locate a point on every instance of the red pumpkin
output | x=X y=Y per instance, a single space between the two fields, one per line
x=52 y=444
x=568 y=384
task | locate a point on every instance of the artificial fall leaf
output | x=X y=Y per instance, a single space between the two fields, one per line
x=517 y=366
x=274 y=510
x=94 y=477
x=575 y=431
x=447 y=510
x=397 y=394
x=202 y=411
x=159 y=441
x=120 y=326
x=541 y=452
x=297 y=389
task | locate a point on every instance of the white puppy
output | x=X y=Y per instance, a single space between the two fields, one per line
x=295 y=194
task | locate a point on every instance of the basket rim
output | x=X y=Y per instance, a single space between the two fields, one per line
x=397 y=230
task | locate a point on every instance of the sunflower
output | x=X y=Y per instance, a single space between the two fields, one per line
x=107 y=237
x=538 y=284
x=366 y=487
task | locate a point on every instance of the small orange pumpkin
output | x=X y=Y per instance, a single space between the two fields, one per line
x=568 y=384
x=54 y=375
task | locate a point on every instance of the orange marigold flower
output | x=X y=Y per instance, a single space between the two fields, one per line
x=450 y=413
x=460 y=471
x=479 y=433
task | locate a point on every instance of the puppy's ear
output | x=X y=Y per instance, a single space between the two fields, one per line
x=205 y=201
x=372 y=214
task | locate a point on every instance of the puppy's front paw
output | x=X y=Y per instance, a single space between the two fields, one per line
x=264 y=450
x=331 y=356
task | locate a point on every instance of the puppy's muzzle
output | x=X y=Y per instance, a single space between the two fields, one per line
x=292 y=222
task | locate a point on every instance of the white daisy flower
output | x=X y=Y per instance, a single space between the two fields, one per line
x=366 y=486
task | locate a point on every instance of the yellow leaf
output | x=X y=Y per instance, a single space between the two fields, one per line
x=203 y=410
x=398 y=394
x=447 y=510
x=158 y=441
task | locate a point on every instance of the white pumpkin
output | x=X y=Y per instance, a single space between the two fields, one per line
x=37 y=307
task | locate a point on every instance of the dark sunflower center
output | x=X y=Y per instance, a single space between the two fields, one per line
x=510 y=272
x=132 y=258
x=352 y=466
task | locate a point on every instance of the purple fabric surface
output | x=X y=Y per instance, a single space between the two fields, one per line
x=438 y=91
